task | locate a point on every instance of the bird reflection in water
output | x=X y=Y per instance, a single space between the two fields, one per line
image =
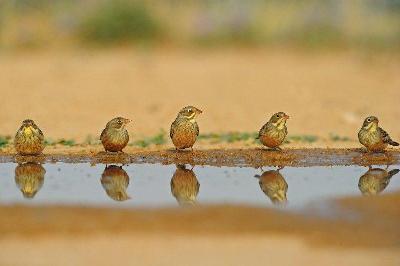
x=184 y=186
x=29 y=178
x=115 y=181
x=274 y=186
x=375 y=180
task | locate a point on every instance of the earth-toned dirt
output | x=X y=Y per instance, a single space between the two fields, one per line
x=73 y=94
x=215 y=157
x=229 y=235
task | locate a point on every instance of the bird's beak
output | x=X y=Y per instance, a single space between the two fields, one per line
x=127 y=121
x=199 y=111
x=286 y=117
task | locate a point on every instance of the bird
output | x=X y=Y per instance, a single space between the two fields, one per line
x=114 y=136
x=29 y=139
x=274 y=132
x=29 y=178
x=375 y=180
x=115 y=181
x=274 y=185
x=184 y=130
x=374 y=138
x=184 y=186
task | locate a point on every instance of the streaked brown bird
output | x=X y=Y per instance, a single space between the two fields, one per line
x=274 y=185
x=184 y=186
x=274 y=132
x=374 y=138
x=29 y=139
x=29 y=178
x=375 y=180
x=115 y=137
x=184 y=130
x=115 y=181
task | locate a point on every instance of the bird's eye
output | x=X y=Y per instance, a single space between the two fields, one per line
x=277 y=115
x=369 y=120
x=119 y=122
x=189 y=110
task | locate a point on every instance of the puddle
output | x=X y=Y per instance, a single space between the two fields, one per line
x=156 y=185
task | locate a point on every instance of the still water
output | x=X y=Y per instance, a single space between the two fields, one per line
x=156 y=185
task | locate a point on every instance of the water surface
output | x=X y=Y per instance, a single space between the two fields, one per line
x=156 y=185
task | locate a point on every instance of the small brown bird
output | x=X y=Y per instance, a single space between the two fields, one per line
x=29 y=139
x=115 y=181
x=374 y=138
x=274 y=186
x=273 y=133
x=29 y=178
x=115 y=137
x=184 y=130
x=375 y=180
x=184 y=186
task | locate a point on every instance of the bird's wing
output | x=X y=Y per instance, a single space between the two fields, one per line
x=41 y=135
x=102 y=134
x=262 y=130
x=196 y=128
x=385 y=136
x=172 y=130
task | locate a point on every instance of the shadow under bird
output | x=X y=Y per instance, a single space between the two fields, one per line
x=375 y=180
x=114 y=136
x=184 y=130
x=184 y=186
x=374 y=138
x=274 y=185
x=274 y=132
x=29 y=139
x=29 y=178
x=115 y=181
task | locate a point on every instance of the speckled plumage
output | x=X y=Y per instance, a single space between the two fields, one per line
x=114 y=136
x=373 y=137
x=274 y=186
x=115 y=181
x=184 y=130
x=184 y=186
x=29 y=178
x=29 y=139
x=375 y=180
x=274 y=132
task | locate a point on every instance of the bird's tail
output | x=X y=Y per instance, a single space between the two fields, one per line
x=393 y=172
x=393 y=143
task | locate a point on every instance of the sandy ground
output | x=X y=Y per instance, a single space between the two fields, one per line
x=73 y=94
x=221 y=235
x=183 y=250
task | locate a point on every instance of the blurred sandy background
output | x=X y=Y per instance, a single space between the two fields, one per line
x=73 y=65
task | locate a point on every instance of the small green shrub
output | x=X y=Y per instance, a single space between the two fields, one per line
x=4 y=141
x=65 y=142
x=119 y=21
x=336 y=137
x=158 y=139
